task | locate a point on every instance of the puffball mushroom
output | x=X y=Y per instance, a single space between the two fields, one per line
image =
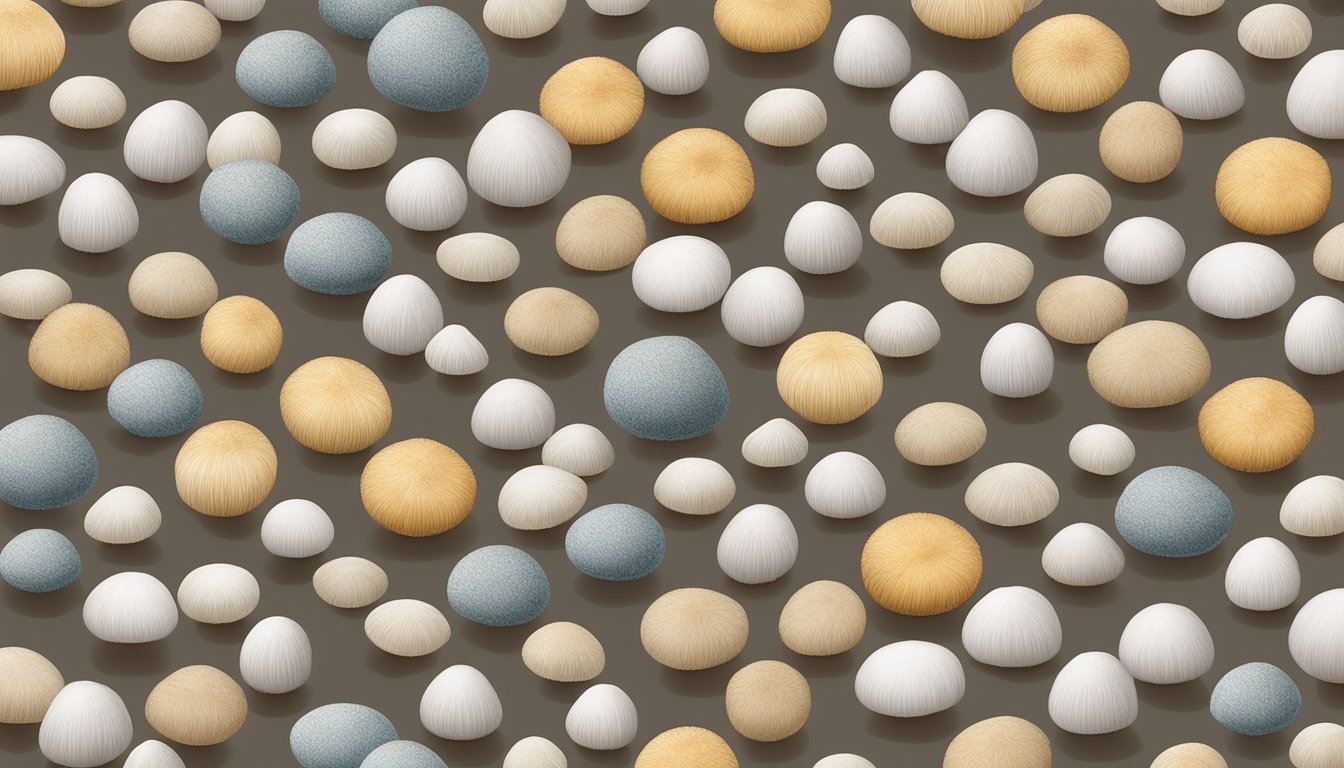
x=1275 y=31
x=1315 y=106
x=929 y=109
x=427 y=195
x=871 y=52
x=693 y=629
x=1012 y=627
x=786 y=117
x=407 y=628
x=240 y=334
x=665 y=388
x=564 y=652
x=231 y=10
x=335 y=405
x=522 y=19
x=477 y=257
x=45 y=463
x=615 y=542
x=1255 y=699
x=339 y=735
x=1173 y=511
x=218 y=593
x=97 y=214
x=829 y=377
x=513 y=415
x=1069 y=63
x=130 y=607
x=1313 y=341
x=1273 y=186
x=1101 y=449
x=602 y=718
x=1314 y=507
x=1262 y=576
x=534 y=752
x=498 y=586
x=822 y=238
x=1017 y=361
x=1317 y=633
x=166 y=142
x=429 y=59
x=674 y=62
x=1069 y=205
x=354 y=139
x=683 y=273
x=845 y=167
x=768 y=701
x=911 y=221
x=1256 y=425
x=285 y=68
x=402 y=315
x=592 y=100
x=417 y=487
x=174 y=31
x=86 y=725
x=539 y=497
x=1012 y=494
x=617 y=7
x=550 y=322
x=172 y=286
x=1190 y=7
x=1004 y=738
x=1190 y=753
x=969 y=19
x=1166 y=643
x=460 y=704
x=763 y=307
x=697 y=176
x=198 y=706
x=993 y=156
x=1144 y=251
x=1317 y=746
x=686 y=747
x=600 y=233
x=911 y=678
x=844 y=485
x=1149 y=364
x=225 y=469
x=1082 y=555
x=517 y=160
x=1081 y=309
x=823 y=618
x=920 y=564
x=694 y=486
x=986 y=273
x=1093 y=694
x=29 y=169
x=580 y=449
x=902 y=329
x=776 y=443
x=758 y=546
x=349 y=582
x=770 y=26
x=32 y=43
x=1201 y=85
x=297 y=528
x=80 y=347
x=33 y=684
x=1141 y=142
x=938 y=434
x=123 y=515
x=32 y=294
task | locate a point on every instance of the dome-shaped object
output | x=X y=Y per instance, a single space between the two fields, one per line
x=522 y=19
x=335 y=405
x=770 y=26
x=1141 y=142
x=1012 y=627
x=285 y=68
x=697 y=176
x=600 y=233
x=407 y=628
x=166 y=142
x=123 y=515
x=249 y=202
x=911 y=221
x=693 y=629
x=823 y=618
x=686 y=747
x=33 y=684
x=32 y=294
x=225 y=469
x=1275 y=31
x=402 y=315
x=1273 y=186
x=155 y=398
x=1006 y=741
x=1093 y=694
x=354 y=139
x=417 y=487
x=683 y=273
x=1144 y=251
x=845 y=485
x=539 y=497
x=822 y=238
x=513 y=415
x=1313 y=341
x=240 y=334
x=786 y=117
x=297 y=528
x=665 y=388
x=768 y=701
x=776 y=443
x=243 y=136
x=45 y=463
x=339 y=735
x=762 y=307
x=674 y=62
x=198 y=706
x=758 y=546
x=615 y=542
x=938 y=434
x=172 y=286
x=1315 y=106
x=1201 y=85
x=564 y=652
x=986 y=273
x=920 y=564
x=1255 y=699
x=218 y=593
x=86 y=725
x=1069 y=63
x=1081 y=309
x=498 y=586
x=429 y=59
x=426 y=195
x=130 y=607
x=580 y=449
x=1069 y=205
x=1256 y=425
x=97 y=214
x=592 y=100
x=1101 y=449
x=845 y=167
x=1173 y=512
x=79 y=347
x=1317 y=746
x=871 y=52
x=477 y=257
x=1316 y=635
x=993 y=156
x=902 y=329
x=1012 y=494
x=29 y=169
x=39 y=560
x=602 y=718
x=969 y=19
x=455 y=351
x=911 y=678
x=1314 y=507
x=361 y=18
x=1166 y=643
x=174 y=31
x=829 y=377
x=1082 y=555
x=32 y=46
x=1149 y=364
x=517 y=160
x=350 y=582
x=1262 y=576
x=1017 y=361
x=930 y=109
x=694 y=486
x=461 y=705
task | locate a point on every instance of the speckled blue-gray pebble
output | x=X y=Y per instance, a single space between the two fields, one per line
x=45 y=463
x=339 y=735
x=1256 y=699
x=665 y=388
x=285 y=68
x=498 y=586
x=1173 y=512
x=361 y=18
x=429 y=59
x=249 y=202
x=39 y=560
x=616 y=542
x=403 y=754
x=338 y=254
x=156 y=398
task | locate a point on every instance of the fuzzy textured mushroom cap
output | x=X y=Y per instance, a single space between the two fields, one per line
x=550 y=322
x=697 y=176
x=969 y=19
x=1141 y=142
x=921 y=564
x=32 y=44
x=417 y=487
x=79 y=347
x=687 y=747
x=1273 y=186
x=829 y=377
x=335 y=405
x=1256 y=425
x=592 y=100
x=1149 y=364
x=1070 y=63
x=999 y=742
x=771 y=26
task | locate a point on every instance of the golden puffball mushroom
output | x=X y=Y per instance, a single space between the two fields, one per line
x=920 y=564
x=79 y=347
x=1273 y=186
x=241 y=334
x=693 y=628
x=829 y=377
x=601 y=233
x=172 y=286
x=550 y=322
x=417 y=487
x=823 y=618
x=32 y=44
x=1081 y=309
x=938 y=434
x=31 y=682
x=335 y=405
x=197 y=706
x=697 y=176
x=771 y=26
x=999 y=742
x=1141 y=142
x=687 y=747
x=1191 y=754
x=592 y=100
x=1256 y=425
x=225 y=469
x=969 y=19
x=1149 y=364
x=768 y=701
x=1069 y=63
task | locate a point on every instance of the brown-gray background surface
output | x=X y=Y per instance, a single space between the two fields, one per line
x=346 y=666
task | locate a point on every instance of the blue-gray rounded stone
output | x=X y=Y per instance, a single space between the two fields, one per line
x=428 y=59
x=156 y=398
x=338 y=254
x=616 y=542
x=665 y=388
x=39 y=560
x=1256 y=699
x=498 y=586
x=361 y=18
x=285 y=68
x=339 y=735
x=45 y=463
x=403 y=754
x=249 y=202
x=1173 y=512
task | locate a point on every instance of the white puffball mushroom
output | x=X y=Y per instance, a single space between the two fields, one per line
x=602 y=718
x=1068 y=205
x=349 y=582
x=87 y=102
x=1240 y=280
x=1144 y=251
x=86 y=725
x=993 y=156
x=911 y=678
x=1082 y=555
x=911 y=221
x=1314 y=507
x=1263 y=576
x=845 y=485
x=455 y=351
x=407 y=628
x=1316 y=97
x=580 y=449
x=460 y=704
x=1190 y=7
x=97 y=214
x=776 y=443
x=124 y=515
x=758 y=545
x=617 y=7
x=518 y=160
x=130 y=607
x=786 y=117
x=844 y=167
x=871 y=52
x=32 y=294
x=1166 y=644
x=694 y=486
x=930 y=109
x=539 y=497
x=1317 y=635
x=152 y=753
x=1313 y=340
x=166 y=142
x=534 y=752
x=478 y=257
x=1101 y=449
x=276 y=656
x=513 y=415
x=297 y=528
x=1275 y=31
x=1093 y=694
x=1012 y=627
x=822 y=238
x=1012 y=494
x=522 y=19
x=1017 y=362
x=1201 y=85
x=218 y=593
x=243 y=136
x=986 y=273
x=902 y=329
x=354 y=139
x=674 y=63
x=683 y=273
x=402 y=315
x=426 y=195
x=235 y=10
x=763 y=307
x=1318 y=746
